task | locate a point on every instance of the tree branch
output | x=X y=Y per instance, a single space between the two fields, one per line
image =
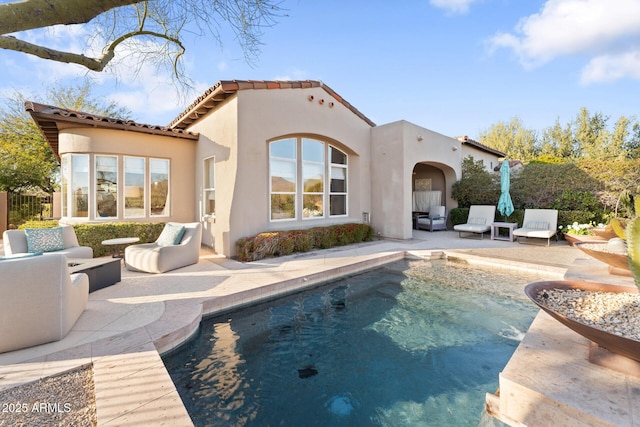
x=31 y=14
x=12 y=43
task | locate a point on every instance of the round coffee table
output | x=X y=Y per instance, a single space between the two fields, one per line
x=118 y=245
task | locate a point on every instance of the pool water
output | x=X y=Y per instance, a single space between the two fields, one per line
x=414 y=343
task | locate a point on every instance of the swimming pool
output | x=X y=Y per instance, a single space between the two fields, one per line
x=414 y=343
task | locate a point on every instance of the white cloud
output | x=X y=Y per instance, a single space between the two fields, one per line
x=608 y=68
x=573 y=27
x=452 y=6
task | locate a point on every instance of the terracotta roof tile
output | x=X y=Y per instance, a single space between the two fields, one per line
x=47 y=118
x=466 y=140
x=223 y=89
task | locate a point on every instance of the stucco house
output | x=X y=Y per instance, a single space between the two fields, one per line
x=253 y=156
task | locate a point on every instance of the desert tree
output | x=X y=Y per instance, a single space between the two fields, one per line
x=153 y=31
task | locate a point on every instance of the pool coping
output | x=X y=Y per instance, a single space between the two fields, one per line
x=132 y=385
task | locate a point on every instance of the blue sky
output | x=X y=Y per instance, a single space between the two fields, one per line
x=453 y=66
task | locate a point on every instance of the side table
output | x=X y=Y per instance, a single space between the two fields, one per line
x=495 y=228
x=118 y=245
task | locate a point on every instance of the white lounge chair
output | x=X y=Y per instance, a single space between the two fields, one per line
x=538 y=223
x=479 y=221
x=162 y=256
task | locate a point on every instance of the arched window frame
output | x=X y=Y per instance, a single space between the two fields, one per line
x=311 y=200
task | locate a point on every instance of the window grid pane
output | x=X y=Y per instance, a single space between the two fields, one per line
x=106 y=186
x=283 y=179
x=338 y=183
x=159 y=186
x=134 y=187
x=79 y=185
x=209 y=187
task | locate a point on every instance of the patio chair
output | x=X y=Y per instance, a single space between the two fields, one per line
x=39 y=300
x=479 y=221
x=538 y=223
x=177 y=246
x=436 y=220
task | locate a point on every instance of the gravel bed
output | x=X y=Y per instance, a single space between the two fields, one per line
x=613 y=246
x=67 y=399
x=616 y=313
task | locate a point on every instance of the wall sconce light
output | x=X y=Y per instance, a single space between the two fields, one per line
x=331 y=105
x=321 y=101
x=454 y=148
x=310 y=98
x=419 y=138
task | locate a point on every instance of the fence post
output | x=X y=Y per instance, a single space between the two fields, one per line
x=4 y=211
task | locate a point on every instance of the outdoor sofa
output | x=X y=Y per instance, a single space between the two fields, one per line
x=177 y=246
x=39 y=300
x=479 y=221
x=57 y=240
x=538 y=223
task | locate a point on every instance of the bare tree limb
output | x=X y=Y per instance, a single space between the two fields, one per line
x=29 y=14
x=12 y=43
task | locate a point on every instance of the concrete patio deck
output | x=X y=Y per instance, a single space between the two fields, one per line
x=127 y=326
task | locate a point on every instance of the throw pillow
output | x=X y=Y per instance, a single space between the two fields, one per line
x=171 y=235
x=44 y=239
x=537 y=225
x=477 y=221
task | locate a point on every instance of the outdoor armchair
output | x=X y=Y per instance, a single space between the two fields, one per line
x=436 y=220
x=39 y=300
x=171 y=250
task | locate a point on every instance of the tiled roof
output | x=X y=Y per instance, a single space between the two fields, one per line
x=218 y=93
x=466 y=140
x=48 y=117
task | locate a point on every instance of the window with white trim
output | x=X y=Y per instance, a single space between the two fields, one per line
x=106 y=185
x=283 y=182
x=134 y=187
x=159 y=187
x=307 y=176
x=209 y=186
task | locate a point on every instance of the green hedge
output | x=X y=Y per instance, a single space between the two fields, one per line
x=281 y=243
x=92 y=235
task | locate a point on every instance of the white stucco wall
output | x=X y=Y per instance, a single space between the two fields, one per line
x=181 y=153
x=242 y=158
x=395 y=150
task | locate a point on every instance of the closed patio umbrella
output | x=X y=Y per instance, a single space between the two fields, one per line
x=505 y=205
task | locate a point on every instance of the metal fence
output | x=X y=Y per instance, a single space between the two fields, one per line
x=29 y=207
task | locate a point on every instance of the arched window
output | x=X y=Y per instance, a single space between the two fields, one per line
x=306 y=176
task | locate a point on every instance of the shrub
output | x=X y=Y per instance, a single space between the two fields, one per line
x=92 y=235
x=280 y=243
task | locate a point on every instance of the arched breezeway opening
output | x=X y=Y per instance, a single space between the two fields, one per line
x=431 y=186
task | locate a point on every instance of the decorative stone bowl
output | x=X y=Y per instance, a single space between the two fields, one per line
x=614 y=343
x=616 y=260
x=606 y=233
x=572 y=239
